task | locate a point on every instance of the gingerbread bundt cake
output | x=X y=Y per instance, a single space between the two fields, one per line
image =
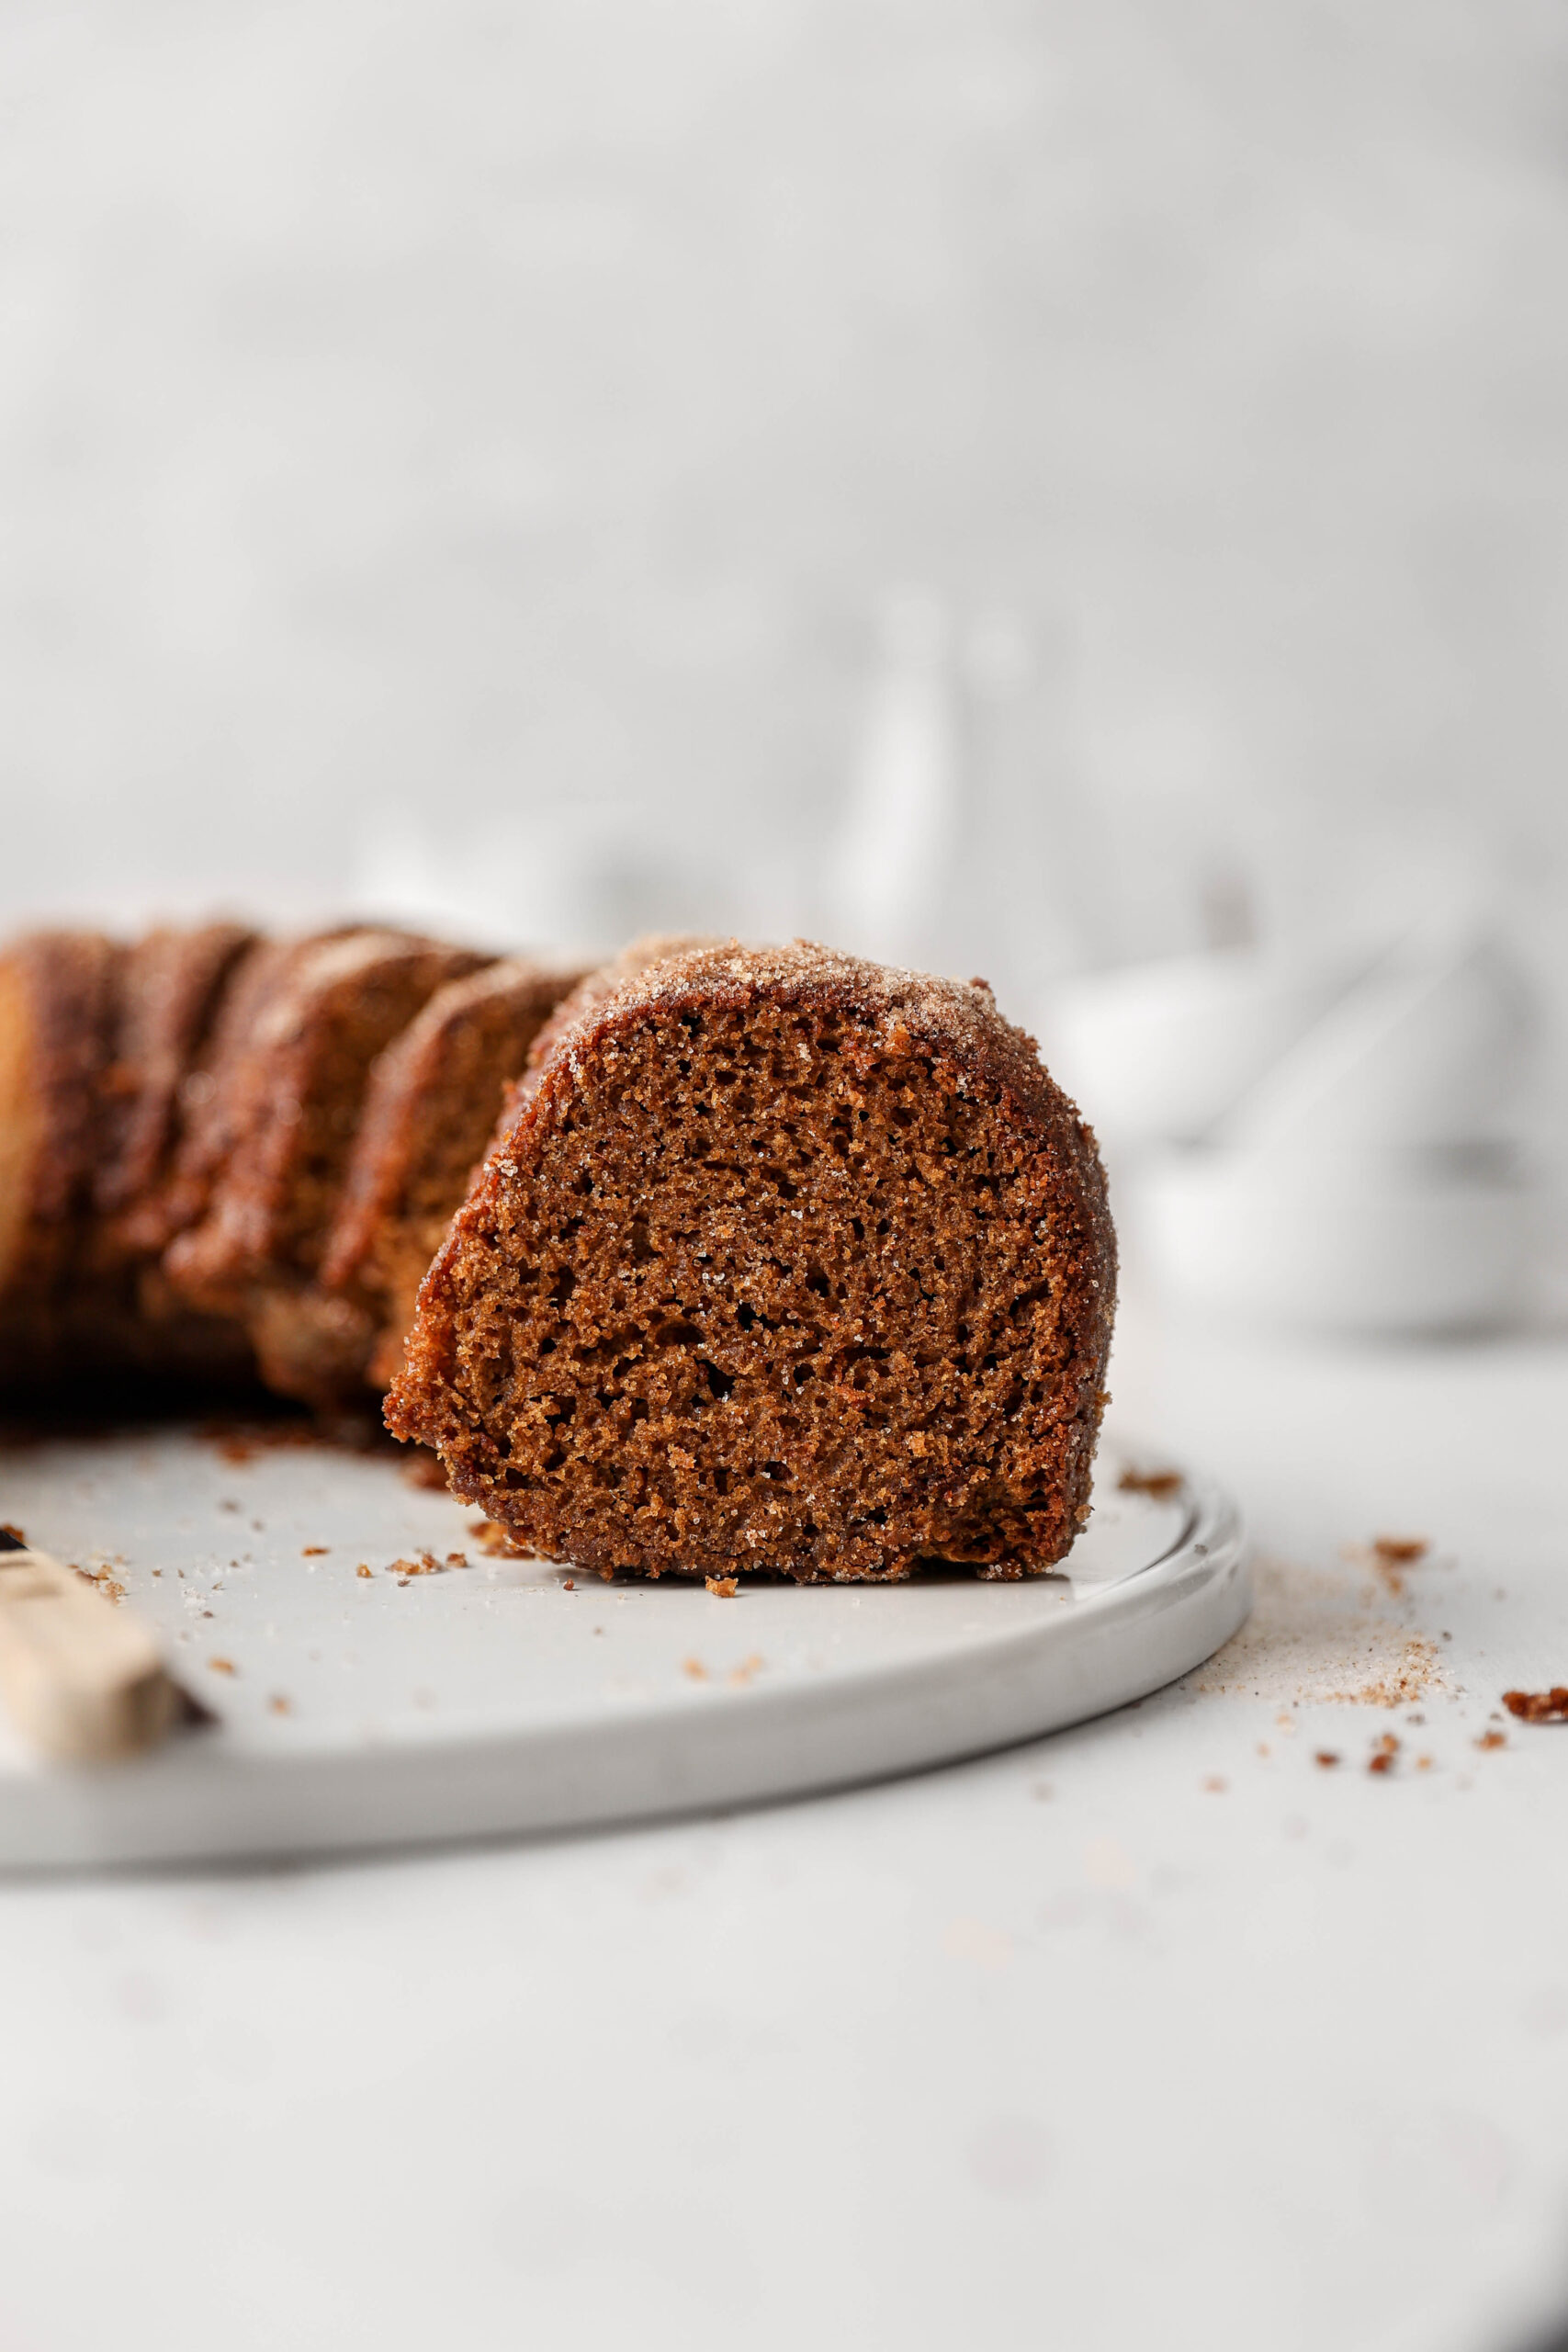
x=170 y=984
x=430 y=1110
x=58 y=1000
x=274 y=1148
x=782 y=1262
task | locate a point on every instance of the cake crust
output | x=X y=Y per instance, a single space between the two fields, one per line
x=783 y=1263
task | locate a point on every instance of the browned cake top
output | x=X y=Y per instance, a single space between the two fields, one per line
x=785 y=1261
x=601 y=981
x=957 y=1018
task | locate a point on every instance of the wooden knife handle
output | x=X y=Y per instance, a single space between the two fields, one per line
x=80 y=1678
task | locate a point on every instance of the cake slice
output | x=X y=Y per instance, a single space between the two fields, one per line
x=783 y=1263
x=57 y=1011
x=267 y=1160
x=171 y=985
x=431 y=1105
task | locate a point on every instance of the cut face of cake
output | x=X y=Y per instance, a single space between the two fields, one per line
x=274 y=1145
x=783 y=1263
x=431 y=1108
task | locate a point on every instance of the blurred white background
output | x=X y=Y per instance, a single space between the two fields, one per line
x=491 y=462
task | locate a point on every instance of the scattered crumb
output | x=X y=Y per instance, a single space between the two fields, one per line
x=228 y=1506
x=222 y=1665
x=1383 y=1753
x=695 y=1668
x=721 y=1588
x=1263 y=1747
x=1327 y=1757
x=1539 y=1706
x=1492 y=1739
x=1160 y=1483
x=424 y=1469
x=425 y=1564
x=456 y=1560
x=101 y=1580
x=1423 y=1763
x=364 y=1569
x=279 y=1705
x=315 y=1551
x=570 y=1585
x=1389 y=1556
x=496 y=1540
x=1216 y=1785
x=739 y=1675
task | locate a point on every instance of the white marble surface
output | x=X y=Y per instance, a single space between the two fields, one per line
x=1067 y=2047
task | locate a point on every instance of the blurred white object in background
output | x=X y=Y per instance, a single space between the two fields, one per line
x=891 y=872
x=1426 y=1047
x=1361 y=1241
x=1160 y=1053
x=1325 y=1142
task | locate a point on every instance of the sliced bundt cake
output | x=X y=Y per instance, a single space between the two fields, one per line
x=57 y=1017
x=431 y=1107
x=170 y=984
x=782 y=1262
x=275 y=1141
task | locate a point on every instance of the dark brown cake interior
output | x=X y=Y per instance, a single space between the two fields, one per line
x=775 y=1282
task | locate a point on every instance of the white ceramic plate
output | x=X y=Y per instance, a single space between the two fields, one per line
x=507 y=1695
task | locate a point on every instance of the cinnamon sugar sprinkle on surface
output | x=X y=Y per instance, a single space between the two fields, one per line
x=1324 y=1635
x=1539 y=1706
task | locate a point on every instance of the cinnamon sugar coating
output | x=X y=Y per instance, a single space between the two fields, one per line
x=783 y=1263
